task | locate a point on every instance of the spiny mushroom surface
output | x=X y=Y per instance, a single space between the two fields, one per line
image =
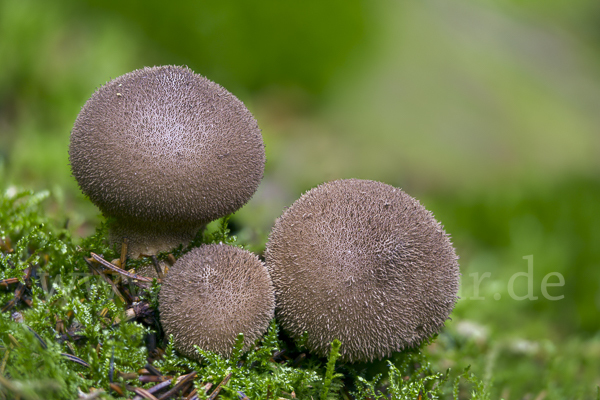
x=362 y=262
x=164 y=151
x=212 y=294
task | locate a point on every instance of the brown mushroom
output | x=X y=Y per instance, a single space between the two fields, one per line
x=362 y=262
x=162 y=151
x=212 y=294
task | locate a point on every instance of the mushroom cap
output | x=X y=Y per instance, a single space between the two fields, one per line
x=212 y=294
x=362 y=262
x=164 y=144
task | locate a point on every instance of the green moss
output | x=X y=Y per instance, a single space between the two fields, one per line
x=328 y=384
x=72 y=338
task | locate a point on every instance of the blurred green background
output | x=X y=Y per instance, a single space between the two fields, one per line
x=488 y=112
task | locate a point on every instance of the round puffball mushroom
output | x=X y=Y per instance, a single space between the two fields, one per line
x=163 y=151
x=362 y=262
x=211 y=295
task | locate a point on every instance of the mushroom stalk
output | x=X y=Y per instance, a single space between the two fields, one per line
x=149 y=239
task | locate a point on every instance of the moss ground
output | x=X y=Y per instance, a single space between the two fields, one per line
x=65 y=333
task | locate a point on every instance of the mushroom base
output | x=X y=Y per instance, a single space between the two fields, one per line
x=149 y=239
x=149 y=271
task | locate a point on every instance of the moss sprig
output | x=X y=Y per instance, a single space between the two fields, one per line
x=329 y=373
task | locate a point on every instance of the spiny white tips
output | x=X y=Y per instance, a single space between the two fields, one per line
x=164 y=146
x=362 y=262
x=212 y=294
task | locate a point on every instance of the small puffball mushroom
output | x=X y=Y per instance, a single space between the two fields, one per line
x=211 y=295
x=362 y=262
x=163 y=151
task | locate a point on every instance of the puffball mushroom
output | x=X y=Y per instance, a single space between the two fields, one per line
x=163 y=151
x=362 y=262
x=213 y=293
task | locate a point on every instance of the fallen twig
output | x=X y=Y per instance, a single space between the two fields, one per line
x=113 y=267
x=141 y=392
x=178 y=386
x=157 y=267
x=75 y=359
x=123 y=258
x=152 y=369
x=139 y=310
x=38 y=337
x=8 y=281
x=215 y=392
x=19 y=291
x=154 y=389
x=106 y=279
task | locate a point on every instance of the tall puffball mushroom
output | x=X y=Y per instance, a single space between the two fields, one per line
x=213 y=293
x=163 y=151
x=362 y=262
